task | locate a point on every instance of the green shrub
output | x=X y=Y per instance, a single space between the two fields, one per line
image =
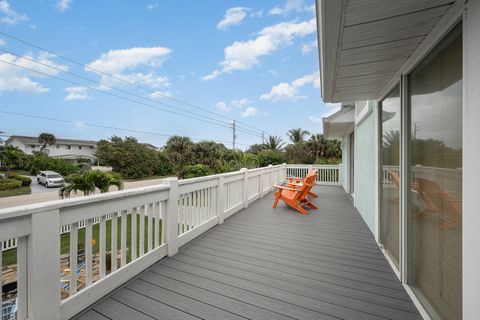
x=8 y=184
x=15 y=192
x=26 y=181
x=42 y=162
x=269 y=156
x=198 y=170
x=163 y=167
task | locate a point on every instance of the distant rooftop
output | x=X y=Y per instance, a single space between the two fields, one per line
x=34 y=140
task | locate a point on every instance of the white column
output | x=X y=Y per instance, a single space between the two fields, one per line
x=172 y=216
x=270 y=172
x=220 y=200
x=44 y=266
x=471 y=159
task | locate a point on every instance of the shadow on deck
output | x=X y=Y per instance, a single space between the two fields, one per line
x=270 y=264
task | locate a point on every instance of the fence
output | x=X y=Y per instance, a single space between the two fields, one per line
x=326 y=174
x=122 y=233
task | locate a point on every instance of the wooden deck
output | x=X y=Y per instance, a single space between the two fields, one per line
x=269 y=264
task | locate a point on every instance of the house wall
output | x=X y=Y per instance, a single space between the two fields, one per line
x=53 y=151
x=364 y=180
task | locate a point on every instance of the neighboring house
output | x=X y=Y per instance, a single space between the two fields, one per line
x=410 y=138
x=68 y=149
x=2 y=143
x=150 y=146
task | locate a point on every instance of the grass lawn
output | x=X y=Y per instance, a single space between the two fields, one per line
x=15 y=192
x=10 y=256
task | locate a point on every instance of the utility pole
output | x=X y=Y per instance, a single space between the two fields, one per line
x=234 y=136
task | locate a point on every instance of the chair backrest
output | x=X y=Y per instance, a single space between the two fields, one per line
x=307 y=185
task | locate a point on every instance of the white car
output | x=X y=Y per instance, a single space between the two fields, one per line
x=50 y=179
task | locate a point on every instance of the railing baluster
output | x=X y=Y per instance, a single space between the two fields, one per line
x=149 y=230
x=164 y=227
x=88 y=252
x=156 y=226
x=133 y=242
x=113 y=241
x=73 y=258
x=123 y=238
x=103 y=246
x=142 y=231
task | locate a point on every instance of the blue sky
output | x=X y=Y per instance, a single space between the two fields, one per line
x=254 y=61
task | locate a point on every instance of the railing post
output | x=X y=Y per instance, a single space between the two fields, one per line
x=43 y=249
x=172 y=216
x=245 y=187
x=220 y=200
x=284 y=172
x=260 y=183
x=270 y=172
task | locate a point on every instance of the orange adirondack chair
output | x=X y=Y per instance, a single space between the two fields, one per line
x=296 y=198
x=295 y=183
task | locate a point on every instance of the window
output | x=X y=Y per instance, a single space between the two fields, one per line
x=390 y=123
x=57 y=146
x=435 y=172
x=32 y=146
x=79 y=147
x=69 y=147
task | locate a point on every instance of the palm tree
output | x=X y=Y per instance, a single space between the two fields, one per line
x=317 y=145
x=297 y=135
x=274 y=143
x=89 y=181
x=46 y=138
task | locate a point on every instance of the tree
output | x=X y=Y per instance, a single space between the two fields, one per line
x=317 y=145
x=46 y=138
x=257 y=148
x=269 y=156
x=89 y=181
x=12 y=157
x=297 y=135
x=179 y=151
x=274 y=143
x=298 y=153
x=128 y=157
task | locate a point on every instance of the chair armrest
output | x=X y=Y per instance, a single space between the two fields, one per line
x=283 y=188
x=295 y=184
x=294 y=179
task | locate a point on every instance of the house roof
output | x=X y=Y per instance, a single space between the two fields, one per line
x=34 y=140
x=364 y=43
x=337 y=125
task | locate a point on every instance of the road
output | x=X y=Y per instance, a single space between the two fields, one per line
x=52 y=194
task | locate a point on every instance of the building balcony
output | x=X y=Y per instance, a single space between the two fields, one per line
x=213 y=249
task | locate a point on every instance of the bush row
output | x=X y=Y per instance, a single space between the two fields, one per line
x=8 y=184
x=26 y=181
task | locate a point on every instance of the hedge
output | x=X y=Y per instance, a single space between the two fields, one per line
x=26 y=181
x=8 y=184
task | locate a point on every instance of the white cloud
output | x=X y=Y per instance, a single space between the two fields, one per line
x=243 y=55
x=76 y=93
x=10 y=16
x=290 y=91
x=308 y=47
x=2 y=42
x=233 y=16
x=241 y=103
x=249 y=112
x=79 y=125
x=119 y=62
x=222 y=106
x=63 y=5
x=161 y=94
x=151 y=6
x=290 y=5
x=13 y=78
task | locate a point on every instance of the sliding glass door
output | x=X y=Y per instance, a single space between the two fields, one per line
x=435 y=173
x=390 y=122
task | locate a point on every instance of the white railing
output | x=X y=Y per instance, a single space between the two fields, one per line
x=114 y=236
x=326 y=174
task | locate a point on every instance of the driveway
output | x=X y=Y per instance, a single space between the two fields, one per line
x=38 y=188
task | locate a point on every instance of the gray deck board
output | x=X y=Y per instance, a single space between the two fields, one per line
x=265 y=263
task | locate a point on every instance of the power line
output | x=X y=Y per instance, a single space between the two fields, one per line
x=121 y=79
x=119 y=96
x=106 y=127
x=224 y=124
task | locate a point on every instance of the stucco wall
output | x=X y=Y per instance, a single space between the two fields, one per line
x=365 y=165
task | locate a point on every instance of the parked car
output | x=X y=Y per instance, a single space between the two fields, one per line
x=50 y=179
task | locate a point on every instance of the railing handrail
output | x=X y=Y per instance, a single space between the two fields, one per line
x=18 y=211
